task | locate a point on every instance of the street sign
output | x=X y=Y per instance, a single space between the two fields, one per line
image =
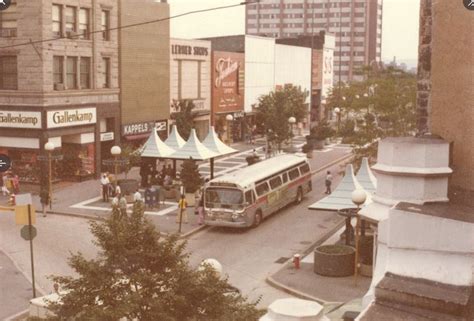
x=21 y=215
x=25 y=232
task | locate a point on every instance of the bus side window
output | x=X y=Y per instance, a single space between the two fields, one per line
x=249 y=197
x=304 y=169
x=275 y=182
x=294 y=174
x=262 y=189
x=285 y=177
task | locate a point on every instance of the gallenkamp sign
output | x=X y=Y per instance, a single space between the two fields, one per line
x=71 y=117
x=228 y=81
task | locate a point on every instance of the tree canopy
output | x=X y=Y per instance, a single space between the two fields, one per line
x=140 y=275
x=184 y=117
x=275 y=108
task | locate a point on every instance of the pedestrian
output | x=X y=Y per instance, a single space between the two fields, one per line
x=254 y=153
x=200 y=209
x=137 y=197
x=170 y=171
x=253 y=134
x=122 y=206
x=16 y=184
x=104 y=181
x=118 y=190
x=5 y=190
x=328 y=182
x=182 y=211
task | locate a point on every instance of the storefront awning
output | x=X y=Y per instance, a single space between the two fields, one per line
x=213 y=143
x=155 y=147
x=194 y=149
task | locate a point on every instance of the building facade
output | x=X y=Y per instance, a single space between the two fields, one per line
x=144 y=70
x=190 y=79
x=357 y=25
x=64 y=91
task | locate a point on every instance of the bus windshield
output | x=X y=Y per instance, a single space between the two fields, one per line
x=224 y=197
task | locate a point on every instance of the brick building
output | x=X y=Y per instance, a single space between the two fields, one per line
x=64 y=90
x=357 y=25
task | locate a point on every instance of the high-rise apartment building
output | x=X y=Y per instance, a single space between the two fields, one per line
x=357 y=25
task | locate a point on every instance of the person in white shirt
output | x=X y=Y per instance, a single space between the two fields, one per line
x=137 y=197
x=328 y=182
x=104 y=181
x=118 y=190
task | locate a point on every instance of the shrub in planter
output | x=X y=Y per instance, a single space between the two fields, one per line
x=319 y=134
x=334 y=260
x=190 y=176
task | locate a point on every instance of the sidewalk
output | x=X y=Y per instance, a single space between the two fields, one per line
x=83 y=199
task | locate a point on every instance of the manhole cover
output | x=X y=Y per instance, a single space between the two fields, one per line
x=282 y=260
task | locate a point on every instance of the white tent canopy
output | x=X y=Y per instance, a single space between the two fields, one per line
x=155 y=147
x=366 y=178
x=341 y=197
x=194 y=149
x=175 y=140
x=213 y=143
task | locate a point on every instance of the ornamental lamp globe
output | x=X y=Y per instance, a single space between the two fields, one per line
x=115 y=150
x=49 y=146
x=358 y=197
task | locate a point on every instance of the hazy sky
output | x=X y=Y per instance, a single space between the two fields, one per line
x=399 y=36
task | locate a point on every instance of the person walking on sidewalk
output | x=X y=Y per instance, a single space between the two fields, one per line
x=328 y=182
x=104 y=181
x=182 y=204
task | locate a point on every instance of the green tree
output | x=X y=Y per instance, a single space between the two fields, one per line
x=140 y=275
x=190 y=175
x=275 y=108
x=184 y=117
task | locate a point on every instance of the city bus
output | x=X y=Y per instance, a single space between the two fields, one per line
x=245 y=197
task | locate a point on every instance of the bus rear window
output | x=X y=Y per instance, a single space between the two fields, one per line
x=304 y=169
x=262 y=189
x=294 y=174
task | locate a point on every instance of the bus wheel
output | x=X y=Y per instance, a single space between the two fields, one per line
x=299 y=196
x=258 y=218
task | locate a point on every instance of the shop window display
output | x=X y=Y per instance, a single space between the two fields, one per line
x=78 y=160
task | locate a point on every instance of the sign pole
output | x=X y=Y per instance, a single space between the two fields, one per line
x=181 y=206
x=31 y=251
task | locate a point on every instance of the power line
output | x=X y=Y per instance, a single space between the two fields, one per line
x=132 y=25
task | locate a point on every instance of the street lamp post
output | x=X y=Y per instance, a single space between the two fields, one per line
x=358 y=198
x=291 y=121
x=116 y=151
x=337 y=110
x=49 y=147
x=229 y=119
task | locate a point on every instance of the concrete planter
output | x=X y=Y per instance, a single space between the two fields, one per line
x=319 y=144
x=334 y=260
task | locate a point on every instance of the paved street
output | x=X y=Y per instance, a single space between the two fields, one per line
x=248 y=256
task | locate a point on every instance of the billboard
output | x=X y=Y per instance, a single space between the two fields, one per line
x=227 y=81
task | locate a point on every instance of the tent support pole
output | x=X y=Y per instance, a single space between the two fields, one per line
x=212 y=168
x=174 y=167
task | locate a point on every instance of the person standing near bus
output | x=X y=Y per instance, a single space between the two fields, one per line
x=182 y=211
x=328 y=182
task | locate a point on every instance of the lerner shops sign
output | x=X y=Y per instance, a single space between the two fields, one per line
x=20 y=119
x=71 y=117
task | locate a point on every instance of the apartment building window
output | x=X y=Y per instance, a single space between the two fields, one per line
x=58 y=80
x=84 y=23
x=57 y=20
x=8 y=21
x=70 y=20
x=85 y=76
x=8 y=73
x=106 y=76
x=105 y=25
x=71 y=72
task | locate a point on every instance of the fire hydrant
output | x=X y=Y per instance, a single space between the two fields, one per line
x=296 y=261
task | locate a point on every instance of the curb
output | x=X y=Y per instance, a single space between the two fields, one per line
x=84 y=216
x=278 y=285
x=194 y=231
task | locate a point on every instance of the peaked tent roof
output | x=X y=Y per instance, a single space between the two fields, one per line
x=194 y=149
x=175 y=140
x=341 y=197
x=366 y=178
x=213 y=143
x=154 y=147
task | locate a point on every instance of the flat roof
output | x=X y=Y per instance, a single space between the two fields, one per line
x=247 y=175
